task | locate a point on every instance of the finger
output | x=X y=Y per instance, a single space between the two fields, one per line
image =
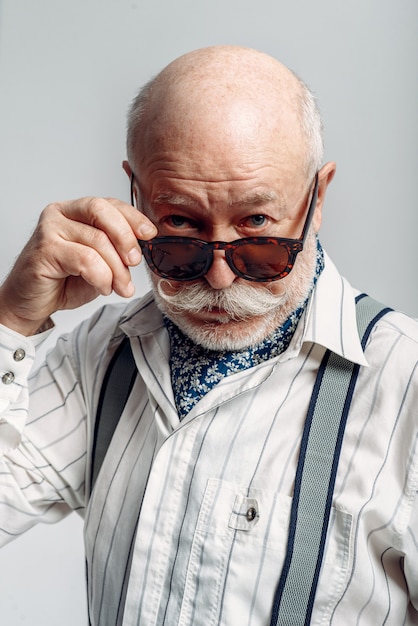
x=101 y=270
x=142 y=226
x=122 y=223
x=78 y=249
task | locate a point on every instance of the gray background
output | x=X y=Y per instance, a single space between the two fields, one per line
x=67 y=73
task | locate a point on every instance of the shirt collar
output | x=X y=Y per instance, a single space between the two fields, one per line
x=330 y=318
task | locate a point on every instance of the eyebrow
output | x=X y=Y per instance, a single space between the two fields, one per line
x=254 y=199
x=170 y=198
x=259 y=197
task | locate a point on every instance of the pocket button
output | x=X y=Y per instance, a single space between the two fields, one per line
x=251 y=514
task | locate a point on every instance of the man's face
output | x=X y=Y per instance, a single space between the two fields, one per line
x=226 y=190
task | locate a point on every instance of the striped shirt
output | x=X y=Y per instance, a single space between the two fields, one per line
x=167 y=535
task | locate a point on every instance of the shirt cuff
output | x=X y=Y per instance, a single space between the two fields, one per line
x=17 y=355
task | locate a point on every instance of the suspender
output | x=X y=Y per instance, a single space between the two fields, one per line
x=116 y=387
x=315 y=477
x=316 y=471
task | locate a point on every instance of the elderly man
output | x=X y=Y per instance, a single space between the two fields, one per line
x=192 y=516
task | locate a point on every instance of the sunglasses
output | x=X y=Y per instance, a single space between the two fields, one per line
x=258 y=259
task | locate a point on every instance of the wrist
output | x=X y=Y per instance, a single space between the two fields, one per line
x=23 y=326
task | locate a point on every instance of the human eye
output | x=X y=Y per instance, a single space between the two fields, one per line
x=177 y=224
x=257 y=220
x=178 y=221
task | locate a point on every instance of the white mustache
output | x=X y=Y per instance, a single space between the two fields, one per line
x=240 y=301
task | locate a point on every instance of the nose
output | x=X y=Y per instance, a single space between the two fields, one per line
x=220 y=275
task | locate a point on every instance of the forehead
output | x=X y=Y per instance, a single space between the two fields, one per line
x=234 y=142
x=186 y=181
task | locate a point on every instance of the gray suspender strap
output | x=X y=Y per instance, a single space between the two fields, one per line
x=315 y=477
x=116 y=387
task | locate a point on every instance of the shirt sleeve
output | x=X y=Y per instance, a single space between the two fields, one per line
x=17 y=355
x=42 y=441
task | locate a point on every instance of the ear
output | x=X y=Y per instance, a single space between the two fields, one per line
x=127 y=168
x=325 y=176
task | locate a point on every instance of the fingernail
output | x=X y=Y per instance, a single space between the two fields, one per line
x=134 y=256
x=147 y=230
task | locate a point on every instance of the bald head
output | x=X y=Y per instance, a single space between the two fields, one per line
x=227 y=95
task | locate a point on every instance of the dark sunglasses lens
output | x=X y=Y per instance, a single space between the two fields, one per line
x=261 y=261
x=180 y=261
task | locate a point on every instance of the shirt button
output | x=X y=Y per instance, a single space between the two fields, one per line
x=251 y=514
x=7 y=378
x=19 y=354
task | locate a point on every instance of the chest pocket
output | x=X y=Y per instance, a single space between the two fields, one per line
x=237 y=554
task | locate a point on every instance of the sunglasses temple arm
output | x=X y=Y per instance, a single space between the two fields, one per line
x=311 y=211
x=132 y=189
